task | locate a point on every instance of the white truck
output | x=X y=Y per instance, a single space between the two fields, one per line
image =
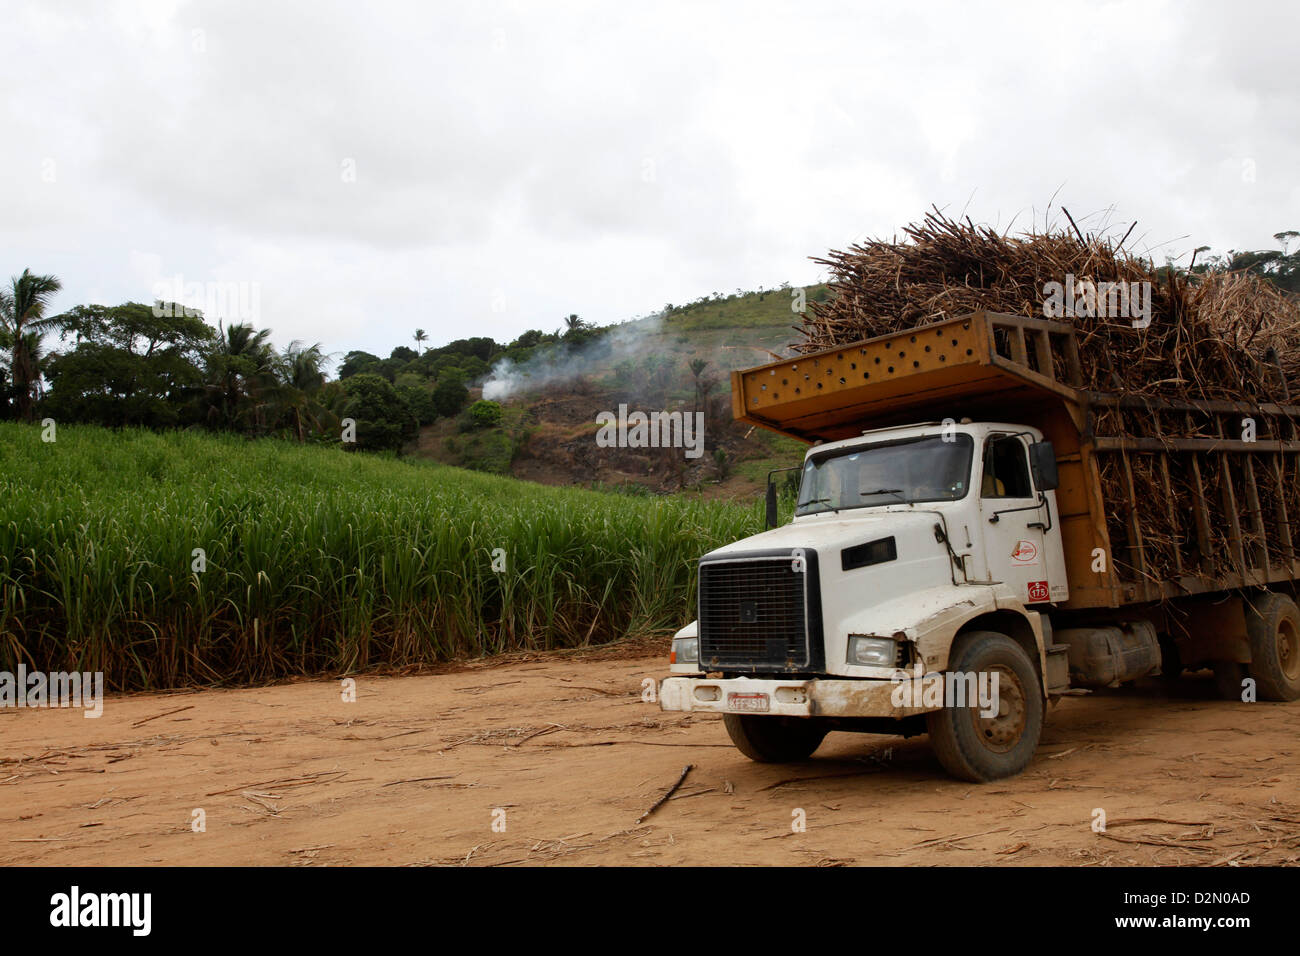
x=955 y=562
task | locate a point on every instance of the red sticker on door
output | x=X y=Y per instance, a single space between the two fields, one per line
x=1026 y=552
x=1037 y=591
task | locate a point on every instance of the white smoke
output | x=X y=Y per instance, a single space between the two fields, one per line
x=560 y=362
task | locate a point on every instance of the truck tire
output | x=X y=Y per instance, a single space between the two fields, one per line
x=774 y=739
x=980 y=749
x=1273 y=631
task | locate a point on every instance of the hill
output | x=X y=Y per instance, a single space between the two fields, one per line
x=679 y=360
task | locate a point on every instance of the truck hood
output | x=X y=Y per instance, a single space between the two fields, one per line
x=832 y=532
x=907 y=593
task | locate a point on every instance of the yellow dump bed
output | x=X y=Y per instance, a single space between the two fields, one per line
x=951 y=369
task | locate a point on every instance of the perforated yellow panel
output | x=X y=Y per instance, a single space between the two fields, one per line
x=811 y=394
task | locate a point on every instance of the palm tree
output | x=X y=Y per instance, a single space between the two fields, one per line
x=22 y=316
x=31 y=360
x=34 y=355
x=420 y=339
x=304 y=366
x=300 y=370
x=241 y=368
x=5 y=357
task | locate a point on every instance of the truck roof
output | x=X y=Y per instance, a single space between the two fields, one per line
x=915 y=430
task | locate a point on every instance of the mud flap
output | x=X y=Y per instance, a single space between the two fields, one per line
x=1058 y=668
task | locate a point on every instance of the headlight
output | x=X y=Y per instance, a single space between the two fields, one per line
x=873 y=651
x=686 y=650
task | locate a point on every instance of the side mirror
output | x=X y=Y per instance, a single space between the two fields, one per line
x=1042 y=459
x=771 y=493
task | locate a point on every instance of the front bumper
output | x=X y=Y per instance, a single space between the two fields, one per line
x=815 y=697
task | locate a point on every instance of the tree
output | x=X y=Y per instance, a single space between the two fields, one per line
x=420 y=339
x=241 y=370
x=419 y=400
x=389 y=368
x=480 y=345
x=131 y=365
x=472 y=367
x=6 y=351
x=1274 y=266
x=383 y=420
x=355 y=362
x=450 y=394
x=22 y=315
x=1271 y=265
x=301 y=375
x=34 y=357
x=445 y=362
x=528 y=339
x=303 y=367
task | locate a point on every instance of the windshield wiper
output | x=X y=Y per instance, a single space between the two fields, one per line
x=884 y=491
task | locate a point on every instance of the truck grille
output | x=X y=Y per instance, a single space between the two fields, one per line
x=754 y=613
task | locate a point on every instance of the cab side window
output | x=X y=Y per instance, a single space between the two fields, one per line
x=1006 y=469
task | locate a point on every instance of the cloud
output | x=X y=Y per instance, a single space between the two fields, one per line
x=488 y=168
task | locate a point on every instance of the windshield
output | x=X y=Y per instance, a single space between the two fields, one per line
x=917 y=469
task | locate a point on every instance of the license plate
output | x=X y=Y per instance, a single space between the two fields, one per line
x=749 y=703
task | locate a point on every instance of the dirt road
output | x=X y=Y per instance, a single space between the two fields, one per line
x=562 y=752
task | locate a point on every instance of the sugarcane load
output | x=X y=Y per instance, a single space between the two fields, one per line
x=1038 y=465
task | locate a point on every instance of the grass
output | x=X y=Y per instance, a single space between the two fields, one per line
x=317 y=561
x=767 y=310
x=490 y=449
x=747 y=325
x=782 y=452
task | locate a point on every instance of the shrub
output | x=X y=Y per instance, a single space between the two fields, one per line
x=485 y=414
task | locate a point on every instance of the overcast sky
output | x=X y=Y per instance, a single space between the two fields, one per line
x=481 y=169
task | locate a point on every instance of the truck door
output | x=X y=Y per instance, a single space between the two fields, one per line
x=1013 y=518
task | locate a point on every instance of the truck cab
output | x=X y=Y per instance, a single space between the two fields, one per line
x=903 y=539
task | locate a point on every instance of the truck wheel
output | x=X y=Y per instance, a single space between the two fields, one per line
x=1228 y=676
x=976 y=748
x=1273 y=630
x=774 y=739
